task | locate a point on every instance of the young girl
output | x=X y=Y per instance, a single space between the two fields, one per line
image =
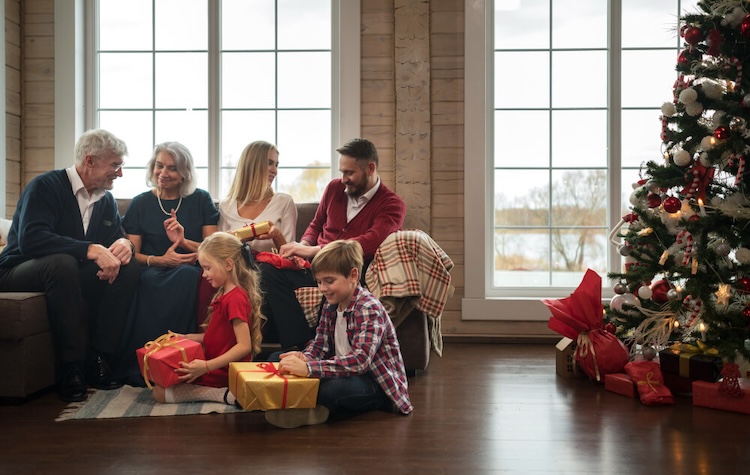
x=233 y=326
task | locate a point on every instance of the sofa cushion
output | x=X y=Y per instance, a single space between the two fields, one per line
x=23 y=314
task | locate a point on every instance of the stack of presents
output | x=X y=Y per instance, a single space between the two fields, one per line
x=257 y=386
x=590 y=350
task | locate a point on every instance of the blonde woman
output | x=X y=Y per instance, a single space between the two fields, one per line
x=251 y=198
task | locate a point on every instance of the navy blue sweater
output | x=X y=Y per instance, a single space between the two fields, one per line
x=48 y=221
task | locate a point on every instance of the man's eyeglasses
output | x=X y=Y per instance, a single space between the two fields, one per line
x=115 y=166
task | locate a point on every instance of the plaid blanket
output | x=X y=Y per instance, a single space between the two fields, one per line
x=409 y=270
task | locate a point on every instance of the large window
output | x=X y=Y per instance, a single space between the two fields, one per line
x=562 y=101
x=217 y=75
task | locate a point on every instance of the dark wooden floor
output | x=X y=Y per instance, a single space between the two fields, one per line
x=480 y=408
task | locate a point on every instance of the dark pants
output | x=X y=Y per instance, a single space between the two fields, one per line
x=86 y=314
x=286 y=319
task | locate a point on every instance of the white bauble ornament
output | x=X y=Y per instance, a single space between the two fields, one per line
x=645 y=292
x=616 y=302
x=630 y=299
x=718 y=118
x=688 y=96
x=682 y=158
x=635 y=200
x=704 y=160
x=694 y=109
x=668 y=109
x=742 y=255
x=712 y=89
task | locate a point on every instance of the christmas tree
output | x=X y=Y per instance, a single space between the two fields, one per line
x=686 y=276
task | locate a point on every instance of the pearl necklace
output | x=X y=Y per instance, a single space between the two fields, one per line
x=158 y=198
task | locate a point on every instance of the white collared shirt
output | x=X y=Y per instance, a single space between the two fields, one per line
x=355 y=205
x=86 y=202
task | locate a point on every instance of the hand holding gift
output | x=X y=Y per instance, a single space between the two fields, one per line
x=580 y=318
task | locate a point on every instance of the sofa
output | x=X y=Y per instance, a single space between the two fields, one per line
x=26 y=341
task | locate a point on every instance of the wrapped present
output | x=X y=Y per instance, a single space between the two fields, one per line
x=251 y=231
x=580 y=318
x=696 y=363
x=260 y=386
x=648 y=380
x=678 y=384
x=706 y=394
x=620 y=383
x=159 y=358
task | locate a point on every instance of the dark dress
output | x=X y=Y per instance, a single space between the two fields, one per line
x=167 y=297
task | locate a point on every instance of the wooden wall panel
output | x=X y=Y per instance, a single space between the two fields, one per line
x=13 y=106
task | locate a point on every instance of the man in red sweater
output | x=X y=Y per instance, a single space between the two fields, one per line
x=356 y=206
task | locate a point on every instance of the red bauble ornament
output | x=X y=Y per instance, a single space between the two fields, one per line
x=654 y=200
x=693 y=35
x=746 y=312
x=672 y=205
x=721 y=133
x=745 y=26
x=685 y=59
x=694 y=218
x=611 y=328
x=659 y=291
x=743 y=284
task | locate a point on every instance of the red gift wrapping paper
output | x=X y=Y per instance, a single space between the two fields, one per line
x=707 y=394
x=620 y=383
x=159 y=358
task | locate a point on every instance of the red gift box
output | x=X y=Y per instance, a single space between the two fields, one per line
x=620 y=383
x=159 y=358
x=707 y=394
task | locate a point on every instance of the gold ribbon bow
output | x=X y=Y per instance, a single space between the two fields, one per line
x=164 y=341
x=650 y=381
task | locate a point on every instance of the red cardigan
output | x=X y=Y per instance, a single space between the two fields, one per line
x=381 y=216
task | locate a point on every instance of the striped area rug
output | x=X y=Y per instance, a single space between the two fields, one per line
x=129 y=401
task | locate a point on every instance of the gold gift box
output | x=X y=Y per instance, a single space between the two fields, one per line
x=259 y=387
x=252 y=231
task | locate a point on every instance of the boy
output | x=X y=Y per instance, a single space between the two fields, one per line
x=355 y=352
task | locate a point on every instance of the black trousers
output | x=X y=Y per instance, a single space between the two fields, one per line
x=286 y=320
x=86 y=314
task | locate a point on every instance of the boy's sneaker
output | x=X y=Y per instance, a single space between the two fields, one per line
x=291 y=418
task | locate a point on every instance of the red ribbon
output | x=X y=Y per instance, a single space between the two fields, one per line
x=273 y=371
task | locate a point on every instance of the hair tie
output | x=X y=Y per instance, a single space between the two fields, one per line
x=247 y=254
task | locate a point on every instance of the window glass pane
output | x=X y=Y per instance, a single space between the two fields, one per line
x=136 y=129
x=190 y=128
x=579 y=138
x=521 y=198
x=248 y=80
x=514 y=131
x=125 y=80
x=181 y=24
x=587 y=87
x=527 y=89
x=304 y=24
x=181 y=80
x=239 y=128
x=248 y=25
x=306 y=185
x=649 y=23
x=125 y=25
x=579 y=24
x=304 y=138
x=521 y=257
x=579 y=198
x=651 y=91
x=522 y=24
x=131 y=183
x=304 y=80
x=574 y=251
x=641 y=137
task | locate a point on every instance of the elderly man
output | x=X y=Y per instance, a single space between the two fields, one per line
x=66 y=240
x=356 y=206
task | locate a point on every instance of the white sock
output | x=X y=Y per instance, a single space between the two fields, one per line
x=195 y=392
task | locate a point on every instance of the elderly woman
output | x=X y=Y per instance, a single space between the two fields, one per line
x=251 y=198
x=166 y=225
